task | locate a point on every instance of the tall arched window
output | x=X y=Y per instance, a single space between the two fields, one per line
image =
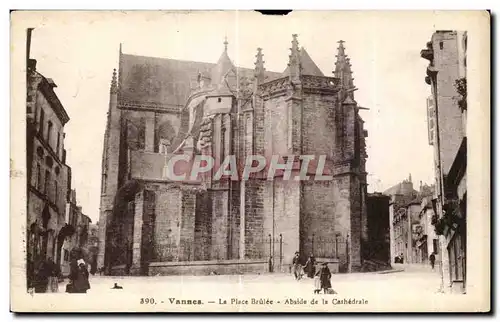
x=49 y=131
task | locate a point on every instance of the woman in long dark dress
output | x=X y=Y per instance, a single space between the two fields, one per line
x=324 y=277
x=81 y=284
x=310 y=266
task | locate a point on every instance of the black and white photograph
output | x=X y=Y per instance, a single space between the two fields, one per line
x=235 y=161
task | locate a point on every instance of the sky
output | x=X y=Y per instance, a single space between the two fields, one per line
x=79 y=50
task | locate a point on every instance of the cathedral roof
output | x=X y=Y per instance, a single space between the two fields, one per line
x=166 y=82
x=309 y=67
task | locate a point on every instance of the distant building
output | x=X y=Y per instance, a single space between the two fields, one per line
x=404 y=220
x=447 y=76
x=74 y=246
x=93 y=244
x=427 y=241
x=400 y=195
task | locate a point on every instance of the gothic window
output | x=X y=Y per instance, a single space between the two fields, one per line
x=248 y=135
x=135 y=132
x=103 y=187
x=58 y=143
x=47 y=183
x=42 y=120
x=290 y=126
x=222 y=144
x=49 y=132
x=56 y=192
x=38 y=177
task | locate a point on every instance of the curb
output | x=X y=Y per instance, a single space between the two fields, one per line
x=399 y=270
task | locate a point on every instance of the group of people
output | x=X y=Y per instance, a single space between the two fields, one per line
x=399 y=259
x=44 y=276
x=321 y=277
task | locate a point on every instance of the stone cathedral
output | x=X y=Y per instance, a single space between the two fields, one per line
x=159 y=108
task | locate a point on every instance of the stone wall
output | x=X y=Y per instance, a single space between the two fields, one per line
x=281 y=217
x=221 y=267
x=203 y=227
x=187 y=224
x=318 y=219
x=166 y=232
x=318 y=128
x=356 y=228
x=342 y=210
x=220 y=224
x=254 y=219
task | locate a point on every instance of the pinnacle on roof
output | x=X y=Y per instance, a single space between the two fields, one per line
x=294 y=66
x=343 y=67
x=114 y=86
x=259 y=66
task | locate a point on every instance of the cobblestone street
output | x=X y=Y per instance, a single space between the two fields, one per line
x=421 y=280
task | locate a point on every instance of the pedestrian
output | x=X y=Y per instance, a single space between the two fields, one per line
x=310 y=266
x=42 y=272
x=53 y=280
x=401 y=258
x=317 y=283
x=297 y=267
x=324 y=275
x=81 y=283
x=432 y=259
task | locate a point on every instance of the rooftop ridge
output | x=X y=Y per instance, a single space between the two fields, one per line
x=193 y=61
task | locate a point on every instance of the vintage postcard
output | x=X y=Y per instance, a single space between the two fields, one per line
x=234 y=161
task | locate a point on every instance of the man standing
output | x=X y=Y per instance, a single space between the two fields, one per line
x=297 y=267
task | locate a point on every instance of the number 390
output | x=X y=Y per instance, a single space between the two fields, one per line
x=147 y=300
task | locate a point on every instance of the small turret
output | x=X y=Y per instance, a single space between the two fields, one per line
x=259 y=71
